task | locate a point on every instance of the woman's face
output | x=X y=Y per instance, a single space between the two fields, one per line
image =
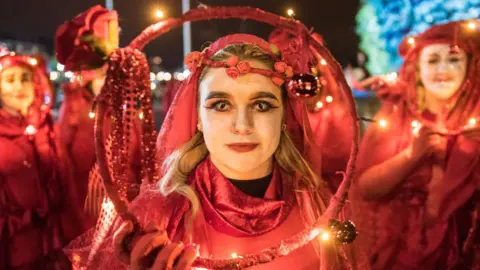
x=241 y=120
x=17 y=89
x=442 y=72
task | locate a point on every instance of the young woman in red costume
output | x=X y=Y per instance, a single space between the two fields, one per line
x=418 y=169
x=241 y=167
x=31 y=172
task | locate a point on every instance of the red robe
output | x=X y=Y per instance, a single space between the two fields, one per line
x=394 y=227
x=31 y=195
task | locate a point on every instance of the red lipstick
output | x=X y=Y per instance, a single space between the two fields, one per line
x=242 y=147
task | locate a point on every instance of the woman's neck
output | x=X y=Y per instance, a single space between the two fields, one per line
x=260 y=171
x=435 y=105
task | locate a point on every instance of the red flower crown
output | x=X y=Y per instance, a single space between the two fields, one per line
x=235 y=68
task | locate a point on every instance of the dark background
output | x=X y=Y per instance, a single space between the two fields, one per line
x=37 y=20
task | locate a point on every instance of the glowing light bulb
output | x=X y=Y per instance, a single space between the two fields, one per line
x=415 y=123
x=60 y=67
x=325 y=236
x=383 y=123
x=472 y=121
x=329 y=99
x=91 y=115
x=323 y=62
x=392 y=77
x=234 y=255
x=472 y=25
x=159 y=14
x=167 y=76
x=153 y=86
x=290 y=12
x=30 y=130
x=319 y=104
x=411 y=41
x=33 y=62
x=53 y=75
x=140 y=115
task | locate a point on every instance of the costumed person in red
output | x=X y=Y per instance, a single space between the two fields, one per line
x=31 y=172
x=82 y=45
x=75 y=126
x=241 y=169
x=416 y=190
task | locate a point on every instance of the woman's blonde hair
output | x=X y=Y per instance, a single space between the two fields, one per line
x=184 y=160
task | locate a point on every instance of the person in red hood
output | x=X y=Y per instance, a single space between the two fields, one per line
x=418 y=169
x=31 y=174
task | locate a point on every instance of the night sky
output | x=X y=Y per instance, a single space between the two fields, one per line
x=37 y=20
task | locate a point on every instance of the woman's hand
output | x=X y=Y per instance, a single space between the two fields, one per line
x=171 y=256
x=422 y=143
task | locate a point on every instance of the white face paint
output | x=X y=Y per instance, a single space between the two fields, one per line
x=441 y=71
x=241 y=120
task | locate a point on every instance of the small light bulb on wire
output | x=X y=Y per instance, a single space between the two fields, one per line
x=323 y=62
x=472 y=121
x=319 y=104
x=140 y=115
x=411 y=40
x=329 y=99
x=383 y=123
x=325 y=236
x=472 y=25
x=91 y=115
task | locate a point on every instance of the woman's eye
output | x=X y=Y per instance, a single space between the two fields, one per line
x=262 y=106
x=454 y=60
x=432 y=61
x=221 y=106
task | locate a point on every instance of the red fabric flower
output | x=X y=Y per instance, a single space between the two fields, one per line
x=244 y=67
x=232 y=61
x=278 y=81
x=280 y=67
x=85 y=41
x=192 y=60
x=233 y=72
x=289 y=72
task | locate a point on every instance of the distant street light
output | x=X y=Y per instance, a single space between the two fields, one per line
x=290 y=12
x=159 y=14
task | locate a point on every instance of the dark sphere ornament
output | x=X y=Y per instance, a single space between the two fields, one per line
x=343 y=232
x=348 y=232
x=304 y=85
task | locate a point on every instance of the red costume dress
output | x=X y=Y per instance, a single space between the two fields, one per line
x=394 y=227
x=32 y=215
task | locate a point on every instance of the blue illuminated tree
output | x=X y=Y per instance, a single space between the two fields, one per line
x=382 y=24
